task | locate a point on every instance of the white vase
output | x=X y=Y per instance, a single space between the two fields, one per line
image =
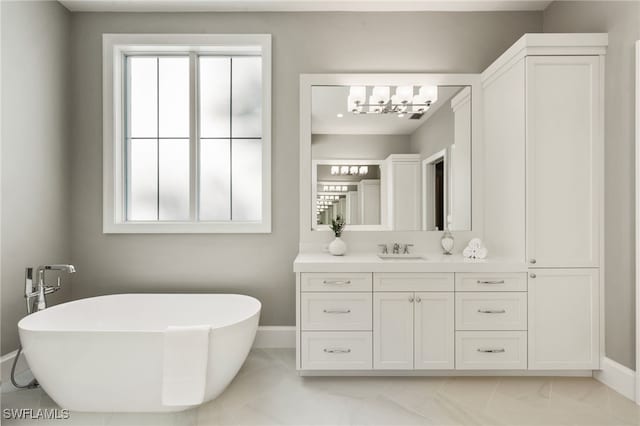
x=338 y=247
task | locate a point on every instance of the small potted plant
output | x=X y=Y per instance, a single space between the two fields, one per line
x=338 y=247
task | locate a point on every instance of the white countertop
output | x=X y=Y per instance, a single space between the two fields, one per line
x=370 y=262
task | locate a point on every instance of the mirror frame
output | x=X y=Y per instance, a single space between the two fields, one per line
x=308 y=229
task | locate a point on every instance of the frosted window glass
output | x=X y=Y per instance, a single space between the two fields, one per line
x=215 y=96
x=215 y=179
x=247 y=179
x=143 y=180
x=246 y=97
x=173 y=84
x=174 y=179
x=143 y=97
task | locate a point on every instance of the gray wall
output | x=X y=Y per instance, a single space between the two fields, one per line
x=259 y=265
x=436 y=134
x=622 y=21
x=35 y=147
x=349 y=147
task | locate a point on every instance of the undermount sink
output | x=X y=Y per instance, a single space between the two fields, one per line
x=387 y=256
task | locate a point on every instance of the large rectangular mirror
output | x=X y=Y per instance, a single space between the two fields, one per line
x=390 y=157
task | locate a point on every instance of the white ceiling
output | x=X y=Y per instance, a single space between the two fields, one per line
x=300 y=5
x=328 y=101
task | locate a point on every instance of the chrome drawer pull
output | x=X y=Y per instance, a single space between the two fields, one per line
x=491 y=351
x=491 y=282
x=338 y=282
x=337 y=311
x=492 y=311
x=337 y=351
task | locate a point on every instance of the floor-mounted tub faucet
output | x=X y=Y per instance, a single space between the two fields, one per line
x=40 y=291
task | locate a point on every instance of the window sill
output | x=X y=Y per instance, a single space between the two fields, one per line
x=187 y=228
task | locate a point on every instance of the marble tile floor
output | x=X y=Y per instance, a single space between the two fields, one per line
x=267 y=391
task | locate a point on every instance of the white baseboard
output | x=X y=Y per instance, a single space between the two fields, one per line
x=269 y=336
x=7 y=361
x=618 y=377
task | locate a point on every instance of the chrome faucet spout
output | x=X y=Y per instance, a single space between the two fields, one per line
x=41 y=290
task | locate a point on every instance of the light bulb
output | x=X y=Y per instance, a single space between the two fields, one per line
x=344 y=170
x=429 y=94
x=382 y=93
x=358 y=94
x=363 y=170
x=335 y=170
x=404 y=94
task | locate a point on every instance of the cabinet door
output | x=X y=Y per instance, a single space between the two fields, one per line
x=563 y=319
x=393 y=330
x=564 y=160
x=434 y=331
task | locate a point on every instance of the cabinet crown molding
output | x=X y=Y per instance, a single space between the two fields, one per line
x=546 y=44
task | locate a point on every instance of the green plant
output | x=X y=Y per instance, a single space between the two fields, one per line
x=337 y=225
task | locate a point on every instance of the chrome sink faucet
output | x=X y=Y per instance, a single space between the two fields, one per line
x=396 y=248
x=39 y=291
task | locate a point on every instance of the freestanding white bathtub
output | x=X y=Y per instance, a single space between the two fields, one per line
x=105 y=354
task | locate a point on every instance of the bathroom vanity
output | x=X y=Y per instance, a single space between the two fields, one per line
x=520 y=166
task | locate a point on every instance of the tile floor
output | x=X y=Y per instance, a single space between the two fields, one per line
x=267 y=391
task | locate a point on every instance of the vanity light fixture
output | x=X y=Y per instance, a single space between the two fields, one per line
x=348 y=170
x=380 y=102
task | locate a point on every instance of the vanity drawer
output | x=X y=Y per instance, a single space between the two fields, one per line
x=491 y=282
x=343 y=281
x=339 y=350
x=491 y=350
x=406 y=281
x=336 y=311
x=491 y=311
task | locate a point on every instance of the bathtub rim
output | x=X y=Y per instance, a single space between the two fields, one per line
x=34 y=316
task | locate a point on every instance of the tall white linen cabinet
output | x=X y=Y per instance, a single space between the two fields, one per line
x=543 y=162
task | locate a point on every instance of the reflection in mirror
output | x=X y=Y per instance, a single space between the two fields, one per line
x=349 y=190
x=392 y=157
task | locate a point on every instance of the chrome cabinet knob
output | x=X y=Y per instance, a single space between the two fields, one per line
x=532 y=261
x=532 y=275
x=410 y=299
x=418 y=300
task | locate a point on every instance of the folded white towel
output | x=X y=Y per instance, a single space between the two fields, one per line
x=186 y=352
x=475 y=250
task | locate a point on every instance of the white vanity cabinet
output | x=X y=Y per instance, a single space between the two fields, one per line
x=429 y=317
x=413 y=329
x=535 y=305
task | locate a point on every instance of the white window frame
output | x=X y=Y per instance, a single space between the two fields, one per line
x=114 y=48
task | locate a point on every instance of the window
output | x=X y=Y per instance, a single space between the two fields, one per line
x=186 y=133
